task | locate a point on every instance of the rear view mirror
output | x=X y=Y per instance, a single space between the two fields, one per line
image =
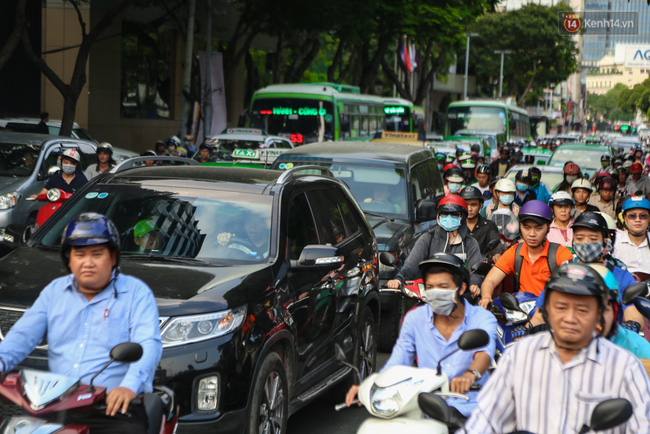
x=387 y=259
x=316 y=255
x=643 y=306
x=636 y=290
x=509 y=301
x=435 y=407
x=425 y=210
x=126 y=352
x=609 y=414
x=473 y=339
x=481 y=268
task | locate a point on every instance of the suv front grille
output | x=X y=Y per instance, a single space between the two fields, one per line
x=8 y=317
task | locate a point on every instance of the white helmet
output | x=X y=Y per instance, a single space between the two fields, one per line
x=582 y=183
x=72 y=154
x=561 y=198
x=505 y=185
x=611 y=223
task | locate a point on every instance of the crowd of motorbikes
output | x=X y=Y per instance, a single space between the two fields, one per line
x=412 y=399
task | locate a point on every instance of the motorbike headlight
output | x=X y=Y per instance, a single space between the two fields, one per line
x=53 y=194
x=387 y=401
x=10 y=200
x=30 y=425
x=195 y=328
x=528 y=306
x=515 y=316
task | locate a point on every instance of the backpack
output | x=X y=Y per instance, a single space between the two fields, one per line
x=551 y=260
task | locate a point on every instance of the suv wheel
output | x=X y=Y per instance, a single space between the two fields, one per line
x=365 y=355
x=391 y=322
x=270 y=401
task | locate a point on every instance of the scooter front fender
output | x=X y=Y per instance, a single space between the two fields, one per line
x=373 y=425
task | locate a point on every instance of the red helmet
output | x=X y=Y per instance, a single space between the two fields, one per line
x=607 y=184
x=448 y=166
x=636 y=168
x=571 y=169
x=603 y=175
x=452 y=203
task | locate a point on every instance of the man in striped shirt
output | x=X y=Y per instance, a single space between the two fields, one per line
x=552 y=381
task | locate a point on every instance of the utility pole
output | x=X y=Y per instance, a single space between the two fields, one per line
x=467 y=63
x=207 y=112
x=502 y=52
x=187 y=72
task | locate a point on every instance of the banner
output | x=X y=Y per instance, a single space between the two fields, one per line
x=217 y=97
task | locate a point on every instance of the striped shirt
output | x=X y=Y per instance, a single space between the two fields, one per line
x=532 y=390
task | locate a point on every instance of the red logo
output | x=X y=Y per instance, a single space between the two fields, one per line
x=572 y=23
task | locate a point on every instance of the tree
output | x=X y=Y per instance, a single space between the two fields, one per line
x=16 y=34
x=71 y=91
x=609 y=106
x=629 y=100
x=541 y=54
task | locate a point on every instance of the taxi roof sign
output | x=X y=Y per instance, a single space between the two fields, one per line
x=243 y=131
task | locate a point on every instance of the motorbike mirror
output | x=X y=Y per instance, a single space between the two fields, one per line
x=126 y=352
x=434 y=406
x=609 y=414
x=342 y=359
x=636 y=290
x=481 y=268
x=426 y=210
x=509 y=301
x=643 y=306
x=473 y=339
x=388 y=259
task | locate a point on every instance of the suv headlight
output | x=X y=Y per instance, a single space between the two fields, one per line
x=10 y=200
x=195 y=328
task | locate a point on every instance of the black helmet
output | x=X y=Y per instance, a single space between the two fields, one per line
x=454 y=171
x=471 y=193
x=483 y=168
x=605 y=158
x=205 y=145
x=89 y=229
x=593 y=221
x=452 y=263
x=522 y=175
x=578 y=279
x=475 y=148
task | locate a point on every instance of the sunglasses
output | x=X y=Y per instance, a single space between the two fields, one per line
x=641 y=216
x=453 y=214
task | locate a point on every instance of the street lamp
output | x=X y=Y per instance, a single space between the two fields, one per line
x=467 y=63
x=502 y=52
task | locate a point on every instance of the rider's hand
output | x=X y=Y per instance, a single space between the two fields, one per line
x=463 y=383
x=393 y=284
x=485 y=302
x=496 y=257
x=475 y=290
x=224 y=238
x=118 y=399
x=352 y=394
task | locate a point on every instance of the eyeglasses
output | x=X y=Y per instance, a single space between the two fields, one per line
x=641 y=216
x=453 y=214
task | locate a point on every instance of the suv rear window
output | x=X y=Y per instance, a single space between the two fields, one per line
x=162 y=221
x=18 y=160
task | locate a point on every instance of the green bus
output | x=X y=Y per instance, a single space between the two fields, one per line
x=317 y=112
x=403 y=116
x=510 y=122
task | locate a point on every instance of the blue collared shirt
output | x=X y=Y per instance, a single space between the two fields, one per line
x=81 y=333
x=418 y=337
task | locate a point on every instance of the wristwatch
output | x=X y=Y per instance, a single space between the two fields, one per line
x=476 y=373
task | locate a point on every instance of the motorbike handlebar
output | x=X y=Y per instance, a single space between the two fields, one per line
x=343 y=405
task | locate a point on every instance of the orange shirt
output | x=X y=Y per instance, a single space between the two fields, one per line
x=533 y=277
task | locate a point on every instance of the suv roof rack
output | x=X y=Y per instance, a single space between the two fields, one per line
x=131 y=162
x=290 y=173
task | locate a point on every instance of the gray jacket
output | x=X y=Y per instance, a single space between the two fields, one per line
x=434 y=241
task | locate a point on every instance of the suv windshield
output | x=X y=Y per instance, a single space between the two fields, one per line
x=160 y=220
x=377 y=189
x=18 y=160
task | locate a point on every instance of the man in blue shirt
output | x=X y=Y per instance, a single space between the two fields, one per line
x=84 y=315
x=536 y=185
x=431 y=331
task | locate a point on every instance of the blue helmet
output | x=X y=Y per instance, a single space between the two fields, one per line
x=89 y=229
x=636 y=202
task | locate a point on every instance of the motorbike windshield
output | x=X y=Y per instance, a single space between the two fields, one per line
x=166 y=221
x=18 y=159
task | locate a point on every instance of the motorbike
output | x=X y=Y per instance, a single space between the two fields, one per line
x=513 y=313
x=608 y=414
x=508 y=225
x=392 y=396
x=44 y=395
x=55 y=197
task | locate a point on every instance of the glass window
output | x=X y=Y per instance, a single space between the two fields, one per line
x=18 y=160
x=148 y=55
x=475 y=118
x=301 y=229
x=330 y=222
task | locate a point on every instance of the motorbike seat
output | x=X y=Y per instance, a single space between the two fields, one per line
x=154 y=407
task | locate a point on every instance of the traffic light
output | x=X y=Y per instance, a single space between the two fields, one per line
x=624 y=128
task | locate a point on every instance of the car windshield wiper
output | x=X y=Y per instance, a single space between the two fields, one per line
x=176 y=259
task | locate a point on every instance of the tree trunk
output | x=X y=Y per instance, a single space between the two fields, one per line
x=307 y=60
x=521 y=100
x=370 y=72
x=336 y=61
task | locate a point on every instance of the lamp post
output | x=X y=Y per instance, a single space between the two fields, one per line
x=467 y=63
x=502 y=52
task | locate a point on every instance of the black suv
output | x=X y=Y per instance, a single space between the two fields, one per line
x=398 y=187
x=257 y=275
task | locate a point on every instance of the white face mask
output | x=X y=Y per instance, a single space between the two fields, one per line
x=68 y=169
x=442 y=301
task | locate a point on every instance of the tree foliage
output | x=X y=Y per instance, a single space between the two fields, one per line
x=637 y=98
x=607 y=107
x=540 y=53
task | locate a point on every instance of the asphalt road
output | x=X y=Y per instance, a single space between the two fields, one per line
x=319 y=417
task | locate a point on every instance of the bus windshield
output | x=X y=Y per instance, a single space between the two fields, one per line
x=300 y=120
x=398 y=118
x=475 y=118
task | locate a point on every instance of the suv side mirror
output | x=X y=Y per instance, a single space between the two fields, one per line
x=318 y=256
x=426 y=210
